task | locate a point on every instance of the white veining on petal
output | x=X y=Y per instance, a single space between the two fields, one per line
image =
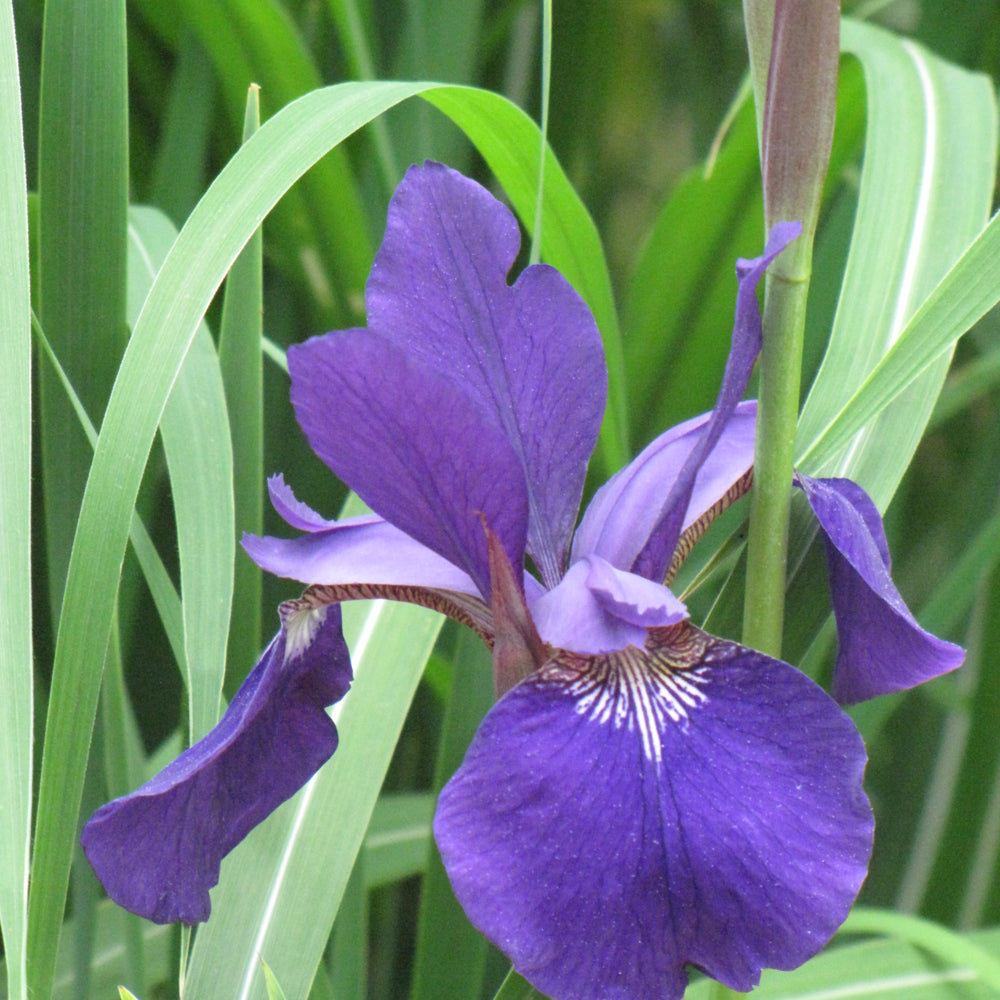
x=301 y=626
x=642 y=691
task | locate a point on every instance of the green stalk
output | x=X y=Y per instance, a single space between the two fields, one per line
x=801 y=56
x=777 y=412
x=799 y=45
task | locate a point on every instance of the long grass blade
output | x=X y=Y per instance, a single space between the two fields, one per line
x=16 y=665
x=242 y=365
x=930 y=160
x=83 y=198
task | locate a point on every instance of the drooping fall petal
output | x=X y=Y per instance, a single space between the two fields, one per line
x=881 y=646
x=158 y=850
x=618 y=817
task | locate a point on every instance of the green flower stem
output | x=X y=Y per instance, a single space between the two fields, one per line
x=778 y=404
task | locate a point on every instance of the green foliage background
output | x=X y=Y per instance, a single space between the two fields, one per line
x=128 y=612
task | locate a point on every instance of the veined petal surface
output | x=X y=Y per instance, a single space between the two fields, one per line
x=529 y=354
x=619 y=817
x=881 y=646
x=625 y=510
x=412 y=445
x=158 y=850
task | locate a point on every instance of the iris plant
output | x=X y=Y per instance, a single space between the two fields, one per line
x=643 y=795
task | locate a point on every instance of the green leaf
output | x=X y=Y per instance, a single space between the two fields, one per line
x=398 y=841
x=83 y=197
x=515 y=987
x=182 y=151
x=195 y=431
x=16 y=663
x=926 y=187
x=240 y=359
x=929 y=936
x=274 y=990
x=882 y=970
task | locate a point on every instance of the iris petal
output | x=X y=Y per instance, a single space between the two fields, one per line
x=598 y=609
x=625 y=510
x=881 y=646
x=618 y=817
x=529 y=354
x=412 y=445
x=158 y=850
x=657 y=554
x=365 y=549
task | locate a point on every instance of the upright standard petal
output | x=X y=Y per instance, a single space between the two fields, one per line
x=412 y=445
x=529 y=354
x=881 y=646
x=158 y=850
x=624 y=511
x=619 y=817
x=657 y=554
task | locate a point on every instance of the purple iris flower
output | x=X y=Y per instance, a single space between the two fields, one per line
x=643 y=796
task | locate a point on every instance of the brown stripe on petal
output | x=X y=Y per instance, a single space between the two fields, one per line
x=463 y=608
x=643 y=690
x=696 y=529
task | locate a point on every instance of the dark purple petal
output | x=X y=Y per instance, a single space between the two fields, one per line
x=158 y=850
x=412 y=445
x=881 y=646
x=529 y=355
x=656 y=555
x=625 y=510
x=619 y=817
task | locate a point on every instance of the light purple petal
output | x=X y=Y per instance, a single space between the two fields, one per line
x=300 y=515
x=158 y=850
x=364 y=549
x=633 y=598
x=619 y=817
x=625 y=510
x=529 y=354
x=656 y=555
x=598 y=609
x=412 y=445
x=377 y=554
x=881 y=646
x=570 y=616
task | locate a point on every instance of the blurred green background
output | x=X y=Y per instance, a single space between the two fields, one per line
x=639 y=93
